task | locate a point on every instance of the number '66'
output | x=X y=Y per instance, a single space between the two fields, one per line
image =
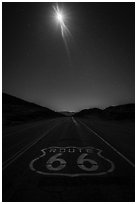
x=83 y=163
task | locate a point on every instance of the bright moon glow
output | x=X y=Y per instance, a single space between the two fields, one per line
x=61 y=19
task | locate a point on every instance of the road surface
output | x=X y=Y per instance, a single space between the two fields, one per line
x=65 y=159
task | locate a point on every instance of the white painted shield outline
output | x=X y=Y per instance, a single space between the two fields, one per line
x=72 y=175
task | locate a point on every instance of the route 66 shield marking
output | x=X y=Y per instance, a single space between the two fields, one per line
x=72 y=161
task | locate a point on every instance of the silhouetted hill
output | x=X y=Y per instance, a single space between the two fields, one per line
x=119 y=112
x=88 y=112
x=15 y=111
x=126 y=111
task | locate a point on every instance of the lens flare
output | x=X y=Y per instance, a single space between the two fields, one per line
x=61 y=19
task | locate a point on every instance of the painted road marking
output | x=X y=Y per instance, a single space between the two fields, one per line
x=55 y=158
x=74 y=121
x=71 y=161
x=82 y=159
x=112 y=147
x=24 y=149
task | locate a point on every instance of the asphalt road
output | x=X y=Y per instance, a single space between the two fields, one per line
x=65 y=159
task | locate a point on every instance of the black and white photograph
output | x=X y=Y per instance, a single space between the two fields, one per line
x=68 y=101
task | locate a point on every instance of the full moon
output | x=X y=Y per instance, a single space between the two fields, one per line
x=59 y=17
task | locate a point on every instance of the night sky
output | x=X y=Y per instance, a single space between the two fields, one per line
x=99 y=70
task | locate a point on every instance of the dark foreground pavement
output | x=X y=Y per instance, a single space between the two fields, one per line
x=65 y=159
